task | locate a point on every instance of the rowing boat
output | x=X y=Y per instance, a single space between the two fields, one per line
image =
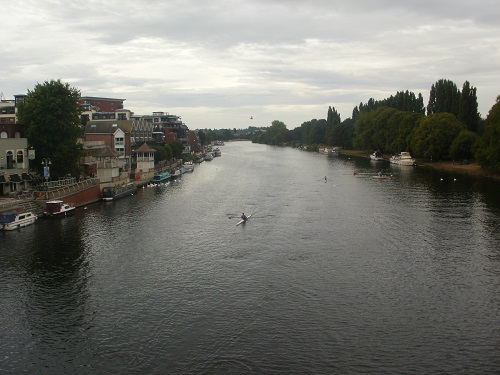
x=242 y=221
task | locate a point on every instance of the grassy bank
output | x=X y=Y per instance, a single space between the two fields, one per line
x=471 y=168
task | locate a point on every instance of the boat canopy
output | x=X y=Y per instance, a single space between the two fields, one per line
x=7 y=217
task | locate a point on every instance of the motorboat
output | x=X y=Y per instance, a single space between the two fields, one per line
x=176 y=173
x=160 y=178
x=189 y=166
x=116 y=192
x=58 y=208
x=403 y=158
x=377 y=156
x=15 y=220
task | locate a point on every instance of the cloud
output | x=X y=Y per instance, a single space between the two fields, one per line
x=215 y=63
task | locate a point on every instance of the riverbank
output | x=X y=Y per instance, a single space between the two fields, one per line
x=470 y=168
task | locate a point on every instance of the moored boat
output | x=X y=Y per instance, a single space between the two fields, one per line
x=117 y=192
x=189 y=166
x=161 y=178
x=176 y=173
x=15 y=220
x=377 y=156
x=57 y=208
x=403 y=158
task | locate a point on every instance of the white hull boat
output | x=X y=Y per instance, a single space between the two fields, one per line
x=15 y=220
x=403 y=158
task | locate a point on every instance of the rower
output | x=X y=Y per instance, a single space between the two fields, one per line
x=243 y=216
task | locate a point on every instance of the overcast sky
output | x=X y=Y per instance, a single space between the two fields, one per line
x=215 y=63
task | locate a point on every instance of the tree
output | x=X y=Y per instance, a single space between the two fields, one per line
x=435 y=134
x=444 y=97
x=202 y=137
x=177 y=148
x=487 y=148
x=332 y=125
x=461 y=148
x=50 y=116
x=468 y=109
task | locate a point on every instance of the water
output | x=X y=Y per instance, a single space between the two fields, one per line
x=349 y=275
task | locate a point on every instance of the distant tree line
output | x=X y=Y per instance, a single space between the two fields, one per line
x=452 y=128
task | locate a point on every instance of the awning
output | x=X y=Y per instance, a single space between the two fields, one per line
x=2 y=179
x=15 y=178
x=27 y=177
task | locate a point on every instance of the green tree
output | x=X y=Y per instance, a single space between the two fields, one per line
x=435 y=134
x=468 y=110
x=345 y=134
x=177 y=148
x=332 y=125
x=160 y=154
x=461 y=147
x=444 y=97
x=50 y=116
x=487 y=148
x=202 y=137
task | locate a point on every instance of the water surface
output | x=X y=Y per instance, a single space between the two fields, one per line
x=349 y=275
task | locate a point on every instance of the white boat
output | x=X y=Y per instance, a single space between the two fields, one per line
x=15 y=220
x=403 y=158
x=189 y=165
x=57 y=208
x=176 y=173
x=382 y=176
x=377 y=156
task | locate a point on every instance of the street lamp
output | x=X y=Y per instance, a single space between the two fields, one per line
x=46 y=169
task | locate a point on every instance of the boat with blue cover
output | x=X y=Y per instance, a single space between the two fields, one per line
x=161 y=177
x=15 y=220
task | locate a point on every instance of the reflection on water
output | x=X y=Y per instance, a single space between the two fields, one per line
x=351 y=274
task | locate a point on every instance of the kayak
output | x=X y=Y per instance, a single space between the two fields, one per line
x=242 y=221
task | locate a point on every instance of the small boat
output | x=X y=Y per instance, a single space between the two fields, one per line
x=189 y=166
x=377 y=156
x=244 y=220
x=116 y=192
x=176 y=173
x=403 y=158
x=382 y=176
x=333 y=151
x=161 y=178
x=58 y=208
x=15 y=220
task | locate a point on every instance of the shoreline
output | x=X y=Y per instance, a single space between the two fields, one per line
x=472 y=169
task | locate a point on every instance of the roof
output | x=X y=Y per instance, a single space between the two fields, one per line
x=107 y=152
x=15 y=178
x=108 y=126
x=145 y=148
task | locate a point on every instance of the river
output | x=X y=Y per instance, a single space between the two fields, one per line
x=348 y=274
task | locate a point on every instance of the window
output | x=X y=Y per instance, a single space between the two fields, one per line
x=3 y=135
x=20 y=157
